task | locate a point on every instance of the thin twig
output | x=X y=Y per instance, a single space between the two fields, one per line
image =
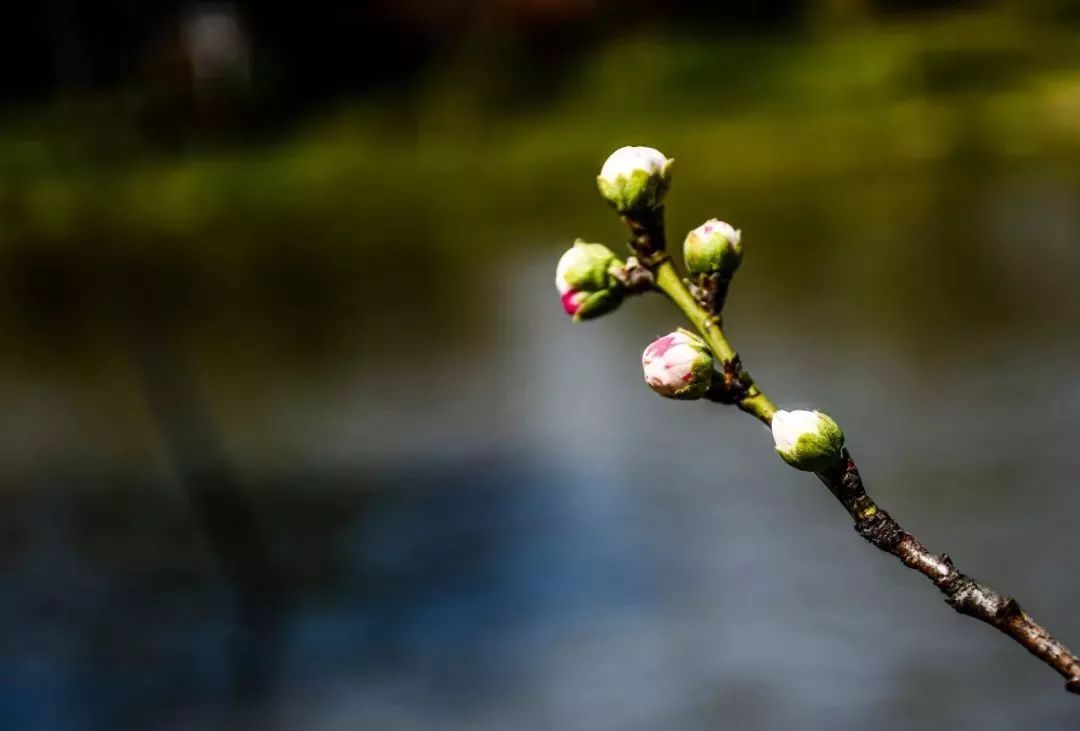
x=733 y=385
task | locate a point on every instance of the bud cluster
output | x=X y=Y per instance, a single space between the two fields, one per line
x=592 y=281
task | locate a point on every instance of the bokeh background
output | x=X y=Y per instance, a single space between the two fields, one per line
x=295 y=434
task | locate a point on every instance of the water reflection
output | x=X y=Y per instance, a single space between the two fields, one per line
x=227 y=517
x=488 y=523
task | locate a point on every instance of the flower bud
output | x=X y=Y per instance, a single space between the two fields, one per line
x=713 y=248
x=635 y=178
x=807 y=440
x=678 y=365
x=585 y=281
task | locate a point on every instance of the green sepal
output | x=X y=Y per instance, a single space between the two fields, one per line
x=638 y=191
x=593 y=271
x=817 y=452
x=599 y=303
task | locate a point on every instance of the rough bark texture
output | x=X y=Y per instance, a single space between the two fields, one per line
x=962 y=593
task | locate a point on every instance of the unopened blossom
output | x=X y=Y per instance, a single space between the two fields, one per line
x=807 y=440
x=713 y=248
x=586 y=282
x=678 y=365
x=635 y=179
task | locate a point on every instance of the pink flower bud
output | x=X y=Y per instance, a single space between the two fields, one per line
x=678 y=365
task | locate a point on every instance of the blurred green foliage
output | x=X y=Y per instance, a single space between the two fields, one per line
x=871 y=100
x=824 y=144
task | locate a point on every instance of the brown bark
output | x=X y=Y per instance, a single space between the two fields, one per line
x=962 y=593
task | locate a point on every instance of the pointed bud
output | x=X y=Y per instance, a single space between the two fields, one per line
x=807 y=440
x=713 y=248
x=635 y=179
x=585 y=280
x=678 y=365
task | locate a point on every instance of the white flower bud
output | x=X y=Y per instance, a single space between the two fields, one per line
x=679 y=365
x=585 y=281
x=713 y=248
x=635 y=178
x=807 y=440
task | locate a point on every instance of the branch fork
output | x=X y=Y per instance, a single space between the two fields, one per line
x=685 y=366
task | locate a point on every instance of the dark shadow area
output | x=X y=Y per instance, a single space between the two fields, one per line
x=227 y=515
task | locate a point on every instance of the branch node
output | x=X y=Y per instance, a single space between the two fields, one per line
x=634 y=276
x=710 y=291
x=732 y=384
x=1009 y=609
x=647 y=235
x=881 y=530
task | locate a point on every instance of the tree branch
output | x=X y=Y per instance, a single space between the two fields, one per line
x=962 y=593
x=732 y=384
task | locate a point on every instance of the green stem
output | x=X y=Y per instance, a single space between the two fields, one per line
x=668 y=281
